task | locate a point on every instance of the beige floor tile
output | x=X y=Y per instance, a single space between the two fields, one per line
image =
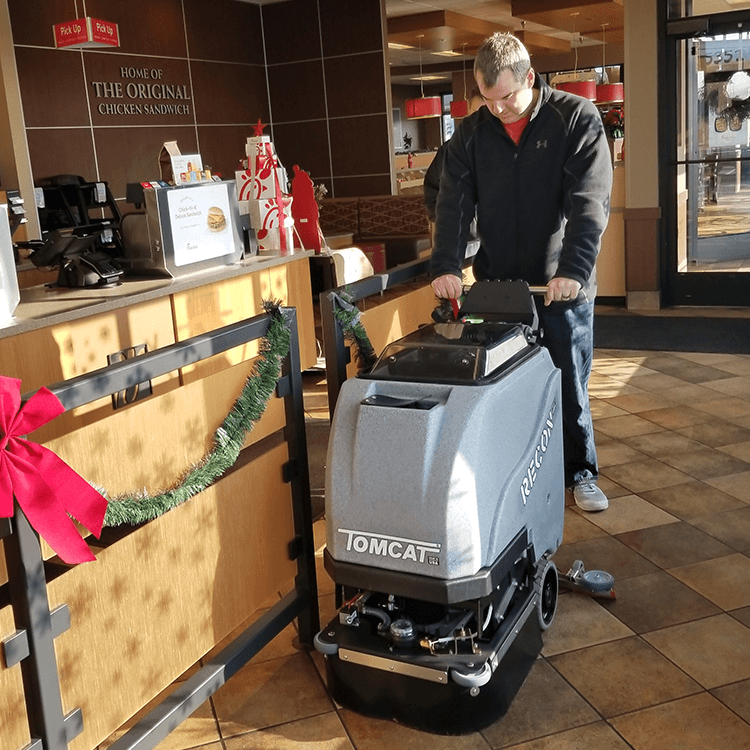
x=715 y=359
x=725 y=408
x=368 y=733
x=716 y=433
x=736 y=365
x=736 y=697
x=610 y=488
x=672 y=418
x=732 y=386
x=599 y=736
x=656 y=601
x=623 y=676
x=285 y=643
x=324 y=732
x=200 y=728
x=627 y=514
x=706 y=463
x=736 y=485
x=545 y=704
x=613 y=452
x=738 y=450
x=581 y=622
x=622 y=369
x=699 y=722
x=578 y=527
x=663 y=443
x=655 y=381
x=725 y=580
x=604 y=410
x=692 y=499
x=714 y=651
x=264 y=694
x=743 y=421
x=691 y=395
x=641 y=476
x=621 y=427
x=640 y=402
x=674 y=545
x=742 y=615
x=604 y=553
x=601 y=386
x=731 y=527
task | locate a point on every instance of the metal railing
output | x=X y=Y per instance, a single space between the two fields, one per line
x=32 y=645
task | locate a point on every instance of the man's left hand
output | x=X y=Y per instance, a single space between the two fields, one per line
x=561 y=290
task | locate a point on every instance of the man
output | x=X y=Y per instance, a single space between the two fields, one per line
x=535 y=166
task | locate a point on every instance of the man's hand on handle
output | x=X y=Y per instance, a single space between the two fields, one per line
x=561 y=290
x=448 y=286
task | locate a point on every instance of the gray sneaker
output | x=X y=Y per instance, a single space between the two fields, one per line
x=589 y=497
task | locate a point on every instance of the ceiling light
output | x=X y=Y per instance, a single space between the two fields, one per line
x=447 y=53
x=396 y=45
x=426 y=106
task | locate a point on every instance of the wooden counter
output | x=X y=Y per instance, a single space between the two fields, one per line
x=160 y=595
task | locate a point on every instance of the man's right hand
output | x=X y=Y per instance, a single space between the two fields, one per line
x=448 y=286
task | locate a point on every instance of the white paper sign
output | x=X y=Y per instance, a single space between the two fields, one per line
x=201 y=223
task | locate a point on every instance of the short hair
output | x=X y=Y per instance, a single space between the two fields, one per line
x=499 y=52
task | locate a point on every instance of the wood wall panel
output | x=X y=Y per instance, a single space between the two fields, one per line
x=207 y=308
x=49 y=355
x=151 y=444
x=14 y=730
x=156 y=601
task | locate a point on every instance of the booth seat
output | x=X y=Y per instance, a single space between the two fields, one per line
x=397 y=222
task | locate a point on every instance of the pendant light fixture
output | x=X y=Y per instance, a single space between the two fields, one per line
x=586 y=89
x=425 y=106
x=460 y=108
x=606 y=92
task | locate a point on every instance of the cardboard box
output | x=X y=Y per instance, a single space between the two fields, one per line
x=256 y=186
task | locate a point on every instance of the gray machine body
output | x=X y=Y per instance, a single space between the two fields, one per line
x=436 y=479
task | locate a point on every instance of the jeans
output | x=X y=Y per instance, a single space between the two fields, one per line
x=567 y=331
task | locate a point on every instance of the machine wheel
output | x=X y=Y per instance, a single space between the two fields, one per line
x=598 y=580
x=475 y=679
x=547 y=587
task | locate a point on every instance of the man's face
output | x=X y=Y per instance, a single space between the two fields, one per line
x=508 y=99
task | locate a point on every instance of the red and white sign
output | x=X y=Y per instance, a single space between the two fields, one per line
x=86 y=32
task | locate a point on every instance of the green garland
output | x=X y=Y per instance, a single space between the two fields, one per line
x=349 y=318
x=227 y=440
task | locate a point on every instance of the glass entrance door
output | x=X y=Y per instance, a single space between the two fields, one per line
x=710 y=167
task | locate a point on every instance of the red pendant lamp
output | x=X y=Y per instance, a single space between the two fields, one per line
x=606 y=92
x=460 y=107
x=425 y=106
x=586 y=89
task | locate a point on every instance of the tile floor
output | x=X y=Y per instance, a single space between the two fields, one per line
x=665 y=666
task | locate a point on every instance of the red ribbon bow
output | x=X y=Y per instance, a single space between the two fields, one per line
x=46 y=488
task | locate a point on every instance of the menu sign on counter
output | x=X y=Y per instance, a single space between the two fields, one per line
x=201 y=223
x=186 y=228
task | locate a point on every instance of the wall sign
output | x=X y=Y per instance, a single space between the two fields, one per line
x=141 y=91
x=86 y=32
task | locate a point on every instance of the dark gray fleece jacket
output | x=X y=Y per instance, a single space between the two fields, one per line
x=541 y=206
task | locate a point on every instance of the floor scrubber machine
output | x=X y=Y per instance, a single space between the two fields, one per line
x=444 y=504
